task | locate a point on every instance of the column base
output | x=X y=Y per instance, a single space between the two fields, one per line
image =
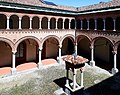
x=114 y=71
x=13 y=71
x=39 y=65
x=92 y=63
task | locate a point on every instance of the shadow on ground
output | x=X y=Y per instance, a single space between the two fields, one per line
x=110 y=86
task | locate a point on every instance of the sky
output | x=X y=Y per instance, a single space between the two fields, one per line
x=76 y=3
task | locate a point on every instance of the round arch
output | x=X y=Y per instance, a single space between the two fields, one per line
x=27 y=37
x=14 y=22
x=60 y=23
x=35 y=22
x=103 y=55
x=25 y=22
x=44 y=23
x=3 y=21
x=9 y=42
x=50 y=36
x=96 y=38
x=72 y=37
x=83 y=36
x=52 y=23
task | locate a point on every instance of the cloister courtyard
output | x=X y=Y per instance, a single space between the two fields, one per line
x=51 y=77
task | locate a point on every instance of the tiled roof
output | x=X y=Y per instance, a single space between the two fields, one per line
x=101 y=5
x=40 y=3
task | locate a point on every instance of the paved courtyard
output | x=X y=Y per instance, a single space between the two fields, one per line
x=51 y=77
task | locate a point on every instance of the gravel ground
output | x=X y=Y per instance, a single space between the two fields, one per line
x=50 y=78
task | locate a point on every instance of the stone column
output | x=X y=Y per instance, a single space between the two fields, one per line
x=70 y=24
x=49 y=23
x=8 y=27
x=88 y=24
x=92 y=62
x=13 y=62
x=63 y=24
x=40 y=63
x=20 y=23
x=81 y=81
x=114 y=21
x=60 y=47
x=56 y=24
x=95 y=24
x=39 y=23
x=81 y=24
x=74 y=79
x=115 y=70
x=67 y=77
x=76 y=48
x=75 y=24
x=104 y=21
x=30 y=23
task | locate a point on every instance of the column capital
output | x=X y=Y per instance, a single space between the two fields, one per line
x=20 y=18
x=114 y=52
x=14 y=52
x=60 y=46
x=8 y=17
x=30 y=18
x=91 y=47
x=40 y=48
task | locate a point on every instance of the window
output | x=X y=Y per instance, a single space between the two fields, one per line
x=20 y=50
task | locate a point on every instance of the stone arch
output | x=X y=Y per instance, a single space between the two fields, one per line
x=66 y=23
x=24 y=38
x=3 y=21
x=60 y=23
x=73 y=23
x=100 y=24
x=118 y=23
x=96 y=38
x=25 y=22
x=109 y=23
x=44 y=23
x=103 y=52
x=14 y=22
x=52 y=23
x=50 y=36
x=11 y=44
x=72 y=37
x=92 y=23
x=85 y=36
x=78 y=24
x=35 y=22
x=84 y=23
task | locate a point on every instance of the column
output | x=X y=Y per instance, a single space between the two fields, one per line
x=114 y=21
x=30 y=23
x=104 y=29
x=76 y=48
x=67 y=78
x=40 y=63
x=81 y=24
x=8 y=22
x=39 y=23
x=92 y=62
x=75 y=24
x=48 y=23
x=88 y=24
x=115 y=70
x=13 y=62
x=20 y=23
x=95 y=24
x=63 y=24
x=56 y=24
x=70 y=24
x=60 y=46
x=81 y=81
x=74 y=79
